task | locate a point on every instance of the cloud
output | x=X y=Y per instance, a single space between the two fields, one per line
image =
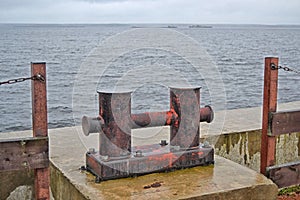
x=150 y=11
x=16 y=4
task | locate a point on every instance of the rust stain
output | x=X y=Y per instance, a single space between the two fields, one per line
x=154 y=185
x=168 y=156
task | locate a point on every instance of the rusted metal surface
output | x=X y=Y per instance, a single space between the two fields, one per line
x=154 y=158
x=285 y=122
x=116 y=158
x=39 y=101
x=115 y=109
x=147 y=119
x=25 y=153
x=185 y=128
x=268 y=143
x=166 y=118
x=285 y=175
x=206 y=114
x=40 y=126
x=92 y=124
x=151 y=119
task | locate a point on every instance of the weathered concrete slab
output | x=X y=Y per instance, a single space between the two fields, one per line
x=224 y=180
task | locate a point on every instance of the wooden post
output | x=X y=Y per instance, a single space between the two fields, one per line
x=268 y=143
x=40 y=127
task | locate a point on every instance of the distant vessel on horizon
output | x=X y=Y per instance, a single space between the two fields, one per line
x=199 y=26
x=171 y=26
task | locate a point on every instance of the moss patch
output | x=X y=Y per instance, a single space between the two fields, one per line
x=289 y=190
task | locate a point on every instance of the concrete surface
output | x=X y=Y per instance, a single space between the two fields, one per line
x=224 y=180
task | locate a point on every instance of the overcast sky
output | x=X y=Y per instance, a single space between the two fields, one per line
x=151 y=11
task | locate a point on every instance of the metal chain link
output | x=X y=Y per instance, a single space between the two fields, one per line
x=37 y=77
x=288 y=69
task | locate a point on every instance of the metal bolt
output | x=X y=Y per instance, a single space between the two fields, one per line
x=206 y=144
x=163 y=142
x=91 y=150
x=97 y=179
x=105 y=158
x=138 y=153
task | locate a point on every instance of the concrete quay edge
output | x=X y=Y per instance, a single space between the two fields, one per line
x=232 y=121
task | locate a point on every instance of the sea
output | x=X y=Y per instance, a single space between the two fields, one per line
x=230 y=71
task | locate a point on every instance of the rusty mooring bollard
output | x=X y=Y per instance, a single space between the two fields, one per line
x=116 y=157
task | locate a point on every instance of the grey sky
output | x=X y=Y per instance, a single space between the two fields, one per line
x=151 y=11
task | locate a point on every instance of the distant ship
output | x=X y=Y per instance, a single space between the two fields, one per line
x=171 y=26
x=199 y=26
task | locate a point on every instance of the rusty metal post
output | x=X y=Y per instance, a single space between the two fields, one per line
x=185 y=128
x=40 y=127
x=268 y=143
x=115 y=109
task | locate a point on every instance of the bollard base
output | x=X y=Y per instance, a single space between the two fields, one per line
x=147 y=159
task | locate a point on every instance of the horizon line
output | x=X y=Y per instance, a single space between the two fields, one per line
x=149 y=23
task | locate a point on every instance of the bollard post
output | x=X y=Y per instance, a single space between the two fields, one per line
x=268 y=142
x=40 y=127
x=115 y=109
x=185 y=130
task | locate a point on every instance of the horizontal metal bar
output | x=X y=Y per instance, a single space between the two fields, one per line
x=285 y=122
x=24 y=153
x=147 y=119
x=285 y=175
x=166 y=118
x=151 y=119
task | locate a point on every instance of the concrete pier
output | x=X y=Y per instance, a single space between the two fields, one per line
x=238 y=141
x=224 y=180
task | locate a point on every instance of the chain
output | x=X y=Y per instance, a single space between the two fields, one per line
x=37 y=77
x=288 y=69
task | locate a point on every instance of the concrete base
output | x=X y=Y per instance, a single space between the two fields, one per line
x=224 y=180
x=236 y=137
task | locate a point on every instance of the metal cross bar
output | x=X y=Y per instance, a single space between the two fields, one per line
x=285 y=175
x=285 y=122
x=147 y=119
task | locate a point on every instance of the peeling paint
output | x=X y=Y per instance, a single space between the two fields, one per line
x=244 y=148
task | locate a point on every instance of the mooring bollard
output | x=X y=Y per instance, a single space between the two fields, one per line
x=116 y=157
